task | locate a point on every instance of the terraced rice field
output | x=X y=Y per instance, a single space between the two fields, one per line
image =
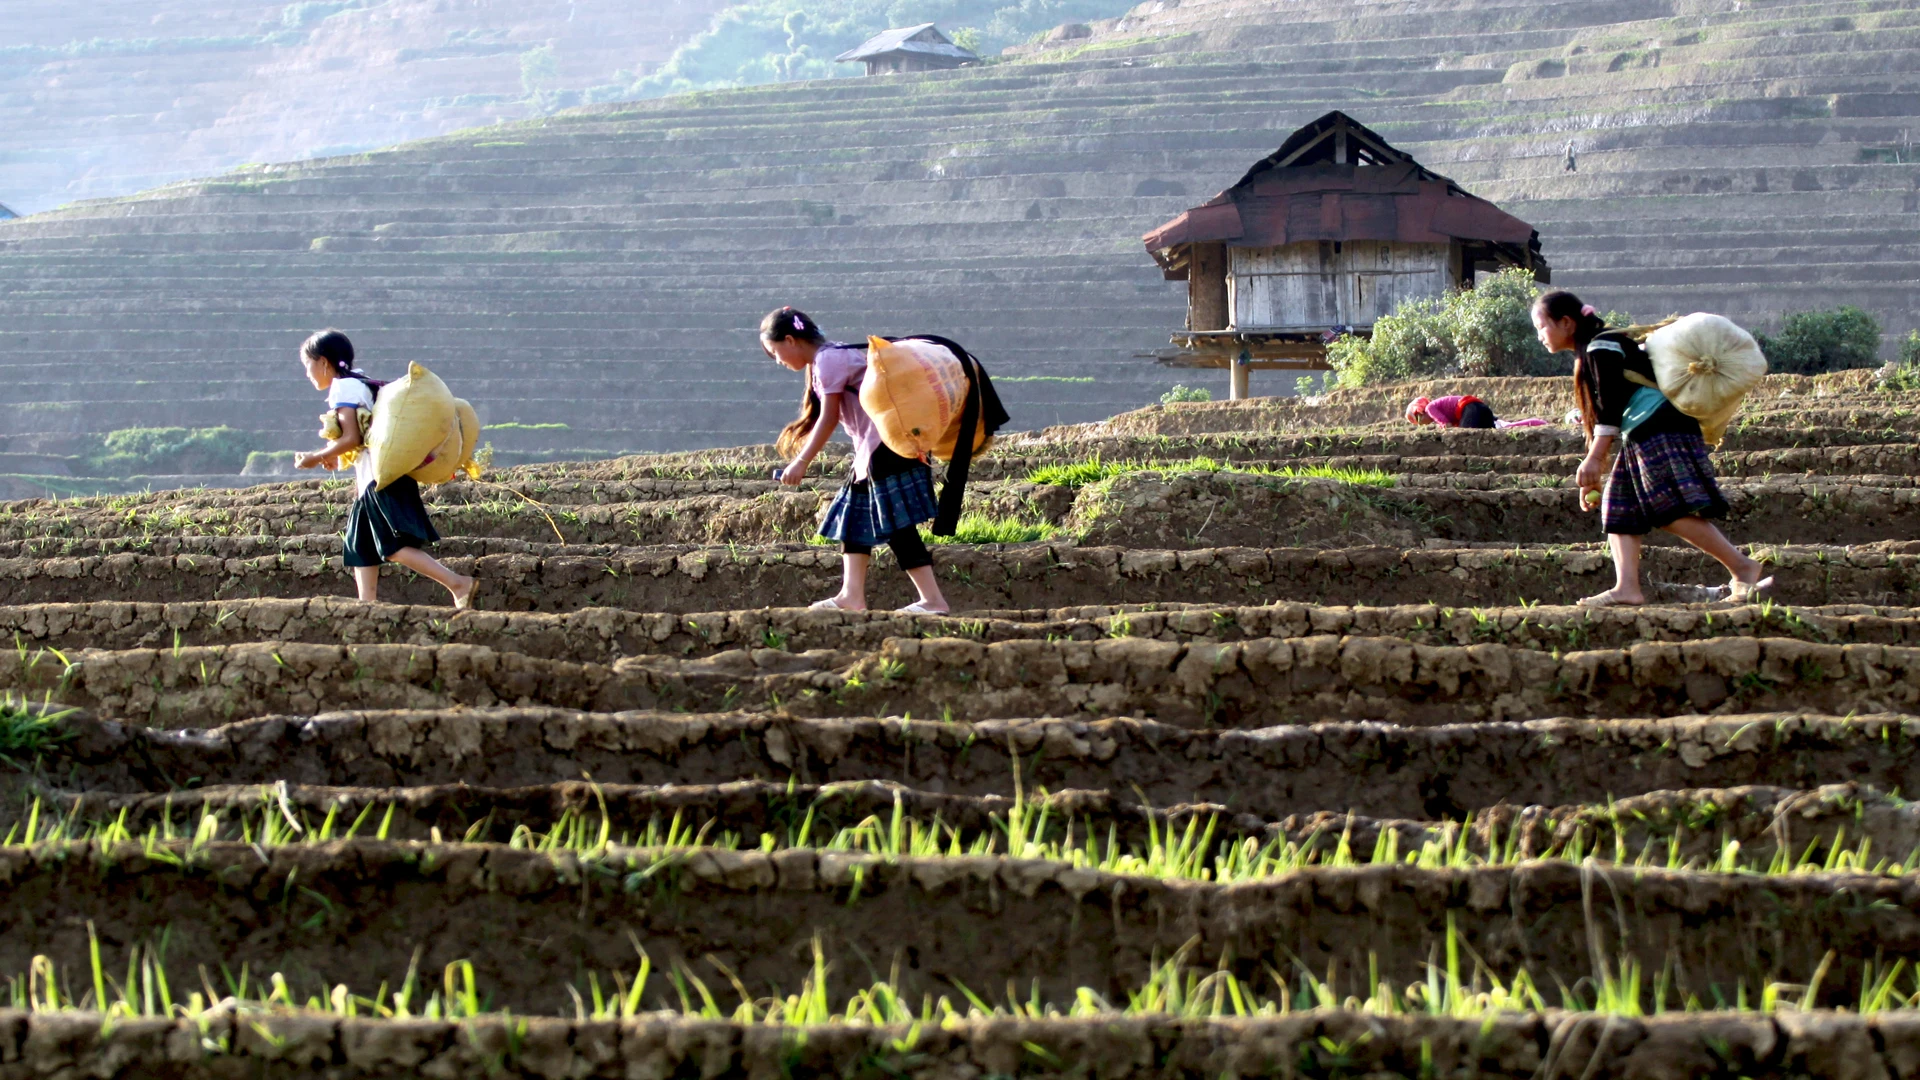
x=1264 y=741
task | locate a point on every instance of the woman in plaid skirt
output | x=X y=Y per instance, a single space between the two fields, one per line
x=887 y=497
x=1662 y=477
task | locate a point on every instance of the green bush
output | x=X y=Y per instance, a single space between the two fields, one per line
x=1811 y=342
x=1910 y=350
x=1182 y=392
x=157 y=451
x=1483 y=331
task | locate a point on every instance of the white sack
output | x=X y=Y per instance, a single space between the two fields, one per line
x=1705 y=364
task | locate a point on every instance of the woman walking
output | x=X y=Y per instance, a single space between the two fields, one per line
x=1662 y=476
x=886 y=497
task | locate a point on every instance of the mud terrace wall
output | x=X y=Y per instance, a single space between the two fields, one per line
x=1789 y=1045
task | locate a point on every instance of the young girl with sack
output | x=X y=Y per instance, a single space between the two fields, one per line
x=389 y=524
x=1662 y=476
x=887 y=497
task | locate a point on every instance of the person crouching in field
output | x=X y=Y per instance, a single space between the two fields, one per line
x=1662 y=476
x=886 y=497
x=1461 y=411
x=387 y=525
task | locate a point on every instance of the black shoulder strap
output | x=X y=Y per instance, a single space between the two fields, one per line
x=982 y=407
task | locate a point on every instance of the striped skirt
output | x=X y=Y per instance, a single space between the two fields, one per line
x=869 y=511
x=1657 y=481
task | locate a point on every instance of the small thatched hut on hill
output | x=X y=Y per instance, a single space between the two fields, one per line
x=1322 y=237
x=911 y=48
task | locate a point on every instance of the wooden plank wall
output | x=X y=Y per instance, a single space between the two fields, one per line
x=1312 y=285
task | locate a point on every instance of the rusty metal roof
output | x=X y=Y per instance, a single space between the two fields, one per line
x=1336 y=180
x=924 y=39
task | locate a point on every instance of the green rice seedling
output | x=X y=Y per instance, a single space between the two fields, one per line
x=26 y=733
x=1083 y=473
x=975 y=528
x=1172 y=987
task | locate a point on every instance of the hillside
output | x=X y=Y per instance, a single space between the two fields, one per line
x=602 y=268
x=111 y=97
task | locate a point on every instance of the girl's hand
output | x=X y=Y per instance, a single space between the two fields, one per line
x=795 y=473
x=308 y=461
x=1587 y=478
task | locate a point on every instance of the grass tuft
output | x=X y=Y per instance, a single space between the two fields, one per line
x=26 y=733
x=984 y=529
x=1079 y=474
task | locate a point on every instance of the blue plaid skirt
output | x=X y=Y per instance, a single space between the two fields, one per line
x=869 y=511
x=1658 y=480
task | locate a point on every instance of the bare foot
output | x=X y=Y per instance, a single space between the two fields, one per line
x=463 y=593
x=1614 y=597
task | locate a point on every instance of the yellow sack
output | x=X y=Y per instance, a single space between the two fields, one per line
x=915 y=391
x=455 y=453
x=1705 y=364
x=330 y=430
x=411 y=418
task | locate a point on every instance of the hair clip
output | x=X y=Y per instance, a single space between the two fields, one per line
x=1587 y=309
x=799 y=323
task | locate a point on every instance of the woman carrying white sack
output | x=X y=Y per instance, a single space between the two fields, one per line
x=1662 y=476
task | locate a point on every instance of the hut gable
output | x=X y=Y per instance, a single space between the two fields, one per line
x=1335 y=180
x=910 y=48
x=1322 y=237
x=6 y=214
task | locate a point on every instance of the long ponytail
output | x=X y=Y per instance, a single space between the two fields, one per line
x=1587 y=324
x=781 y=325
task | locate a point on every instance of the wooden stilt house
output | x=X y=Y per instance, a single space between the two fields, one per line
x=910 y=48
x=1321 y=238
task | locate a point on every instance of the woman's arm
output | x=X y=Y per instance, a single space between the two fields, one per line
x=329 y=455
x=822 y=431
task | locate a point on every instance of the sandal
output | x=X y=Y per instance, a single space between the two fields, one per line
x=919 y=607
x=1741 y=592
x=831 y=603
x=1604 y=600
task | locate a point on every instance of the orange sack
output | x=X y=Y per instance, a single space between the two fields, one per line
x=915 y=391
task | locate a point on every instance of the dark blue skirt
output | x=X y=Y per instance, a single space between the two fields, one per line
x=868 y=511
x=384 y=521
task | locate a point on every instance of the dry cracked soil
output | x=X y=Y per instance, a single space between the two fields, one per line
x=1280 y=749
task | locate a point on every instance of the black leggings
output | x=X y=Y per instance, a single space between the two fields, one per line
x=1476 y=414
x=907 y=547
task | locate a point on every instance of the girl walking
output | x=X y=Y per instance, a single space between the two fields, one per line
x=388 y=525
x=886 y=497
x=1662 y=476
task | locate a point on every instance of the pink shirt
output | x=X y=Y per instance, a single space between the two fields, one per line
x=838 y=369
x=1445 y=411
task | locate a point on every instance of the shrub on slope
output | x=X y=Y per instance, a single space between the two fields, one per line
x=1812 y=342
x=1484 y=331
